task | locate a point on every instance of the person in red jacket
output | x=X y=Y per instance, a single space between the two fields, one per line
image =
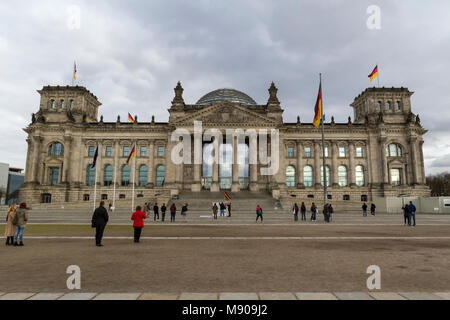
x=138 y=218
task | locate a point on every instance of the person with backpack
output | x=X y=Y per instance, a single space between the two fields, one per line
x=138 y=223
x=303 y=211
x=259 y=213
x=313 y=211
x=215 y=208
x=184 y=210
x=20 y=221
x=364 y=209
x=10 y=229
x=372 y=209
x=173 y=212
x=99 y=220
x=163 y=212
x=295 y=212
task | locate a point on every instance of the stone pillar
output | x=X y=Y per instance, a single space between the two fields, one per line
x=299 y=165
x=414 y=160
x=384 y=168
x=253 y=186
x=198 y=148
x=66 y=164
x=76 y=160
x=29 y=161
x=334 y=166
x=215 y=168
x=422 y=164
x=317 y=164
x=351 y=164
x=151 y=166
x=235 y=187
x=37 y=141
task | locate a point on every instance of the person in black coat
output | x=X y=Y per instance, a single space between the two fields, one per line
x=163 y=212
x=99 y=220
x=155 y=211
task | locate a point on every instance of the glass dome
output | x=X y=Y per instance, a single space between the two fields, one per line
x=230 y=95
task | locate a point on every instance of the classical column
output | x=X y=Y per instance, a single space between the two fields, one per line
x=414 y=162
x=422 y=165
x=235 y=187
x=66 y=163
x=334 y=167
x=29 y=161
x=76 y=160
x=351 y=163
x=253 y=186
x=198 y=150
x=299 y=165
x=151 y=167
x=317 y=180
x=36 y=159
x=384 y=169
x=215 y=169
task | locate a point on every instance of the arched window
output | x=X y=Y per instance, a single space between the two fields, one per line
x=143 y=175
x=342 y=176
x=125 y=176
x=379 y=106
x=56 y=149
x=62 y=104
x=327 y=169
x=394 y=150
x=108 y=175
x=72 y=104
x=389 y=105
x=52 y=104
x=290 y=176
x=90 y=176
x=160 y=175
x=397 y=106
x=308 y=176
x=359 y=176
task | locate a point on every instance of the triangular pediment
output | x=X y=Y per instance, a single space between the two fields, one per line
x=226 y=114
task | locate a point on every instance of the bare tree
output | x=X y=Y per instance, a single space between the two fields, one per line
x=439 y=184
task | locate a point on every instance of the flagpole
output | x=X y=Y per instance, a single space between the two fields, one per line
x=134 y=175
x=323 y=148
x=378 y=76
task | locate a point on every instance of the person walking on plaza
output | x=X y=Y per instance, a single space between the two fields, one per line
x=138 y=222
x=10 y=230
x=229 y=209
x=412 y=213
x=215 y=209
x=330 y=212
x=313 y=212
x=406 y=219
x=325 y=213
x=259 y=213
x=364 y=209
x=303 y=211
x=163 y=212
x=184 y=210
x=99 y=220
x=173 y=212
x=295 y=212
x=155 y=212
x=372 y=209
x=222 y=209
x=20 y=221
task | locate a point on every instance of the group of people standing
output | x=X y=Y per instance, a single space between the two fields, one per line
x=223 y=207
x=327 y=212
x=409 y=214
x=372 y=209
x=16 y=220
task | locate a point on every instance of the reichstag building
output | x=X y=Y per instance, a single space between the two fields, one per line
x=378 y=153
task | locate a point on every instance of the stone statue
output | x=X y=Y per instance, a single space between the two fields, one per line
x=118 y=119
x=153 y=119
x=101 y=118
x=417 y=119
x=84 y=117
x=70 y=116
x=273 y=94
x=298 y=119
x=332 y=119
x=178 y=94
x=349 y=120
x=380 y=117
x=33 y=118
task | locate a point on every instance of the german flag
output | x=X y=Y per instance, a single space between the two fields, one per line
x=318 y=108
x=227 y=196
x=130 y=156
x=130 y=118
x=373 y=74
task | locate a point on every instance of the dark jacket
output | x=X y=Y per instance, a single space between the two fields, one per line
x=303 y=208
x=364 y=207
x=155 y=209
x=163 y=209
x=412 y=208
x=100 y=217
x=372 y=207
x=173 y=209
x=183 y=210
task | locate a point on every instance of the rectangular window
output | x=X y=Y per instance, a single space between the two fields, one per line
x=341 y=152
x=160 y=151
x=86 y=197
x=104 y=197
x=91 y=151
x=143 y=151
x=326 y=152
x=108 y=151
x=290 y=152
x=359 y=152
x=126 y=151
x=53 y=176
x=307 y=152
x=396 y=177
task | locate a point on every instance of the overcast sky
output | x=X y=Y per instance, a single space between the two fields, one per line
x=130 y=54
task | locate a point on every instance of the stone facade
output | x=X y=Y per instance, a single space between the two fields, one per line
x=377 y=154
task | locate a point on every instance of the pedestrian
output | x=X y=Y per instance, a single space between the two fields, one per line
x=155 y=212
x=303 y=211
x=325 y=213
x=184 y=209
x=110 y=207
x=229 y=209
x=163 y=212
x=259 y=213
x=372 y=209
x=10 y=229
x=412 y=213
x=222 y=209
x=99 y=220
x=138 y=222
x=313 y=212
x=20 y=221
x=173 y=212
x=149 y=209
x=330 y=212
x=215 y=209
x=406 y=219
x=295 y=212
x=364 y=209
